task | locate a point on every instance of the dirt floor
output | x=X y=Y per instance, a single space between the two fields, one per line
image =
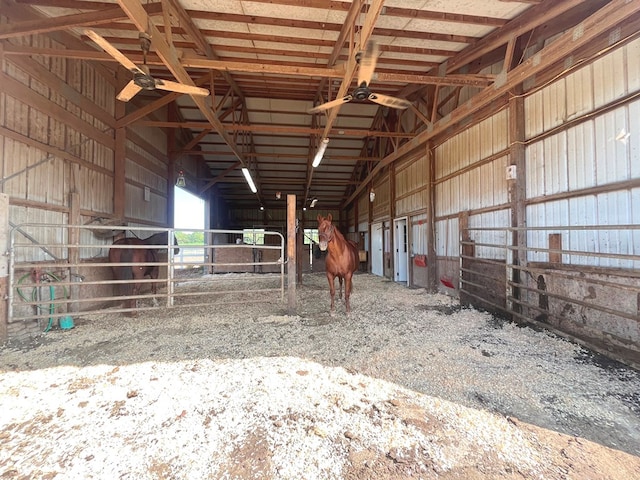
x=409 y=385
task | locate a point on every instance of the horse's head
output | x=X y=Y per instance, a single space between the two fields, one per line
x=162 y=238
x=325 y=231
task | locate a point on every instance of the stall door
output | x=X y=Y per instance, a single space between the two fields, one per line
x=401 y=258
x=376 y=249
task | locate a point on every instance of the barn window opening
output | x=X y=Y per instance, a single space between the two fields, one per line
x=188 y=221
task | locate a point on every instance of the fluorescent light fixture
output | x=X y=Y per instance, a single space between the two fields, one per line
x=247 y=176
x=320 y=153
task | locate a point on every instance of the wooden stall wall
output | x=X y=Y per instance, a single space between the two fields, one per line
x=59 y=155
x=56 y=138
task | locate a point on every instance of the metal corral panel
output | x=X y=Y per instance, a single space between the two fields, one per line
x=31 y=235
x=616 y=207
x=489 y=221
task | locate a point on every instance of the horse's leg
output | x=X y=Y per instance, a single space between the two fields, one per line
x=347 y=290
x=138 y=273
x=332 y=290
x=154 y=286
x=340 y=290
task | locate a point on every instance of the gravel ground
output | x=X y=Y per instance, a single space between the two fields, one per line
x=409 y=385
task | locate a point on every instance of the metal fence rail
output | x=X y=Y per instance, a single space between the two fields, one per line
x=60 y=270
x=580 y=281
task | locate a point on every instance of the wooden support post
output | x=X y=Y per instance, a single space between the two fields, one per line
x=119 y=161
x=517 y=258
x=299 y=249
x=74 y=254
x=291 y=253
x=4 y=265
x=555 y=243
x=432 y=260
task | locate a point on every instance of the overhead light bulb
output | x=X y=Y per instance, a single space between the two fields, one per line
x=313 y=202
x=181 y=181
x=320 y=153
x=372 y=195
x=247 y=176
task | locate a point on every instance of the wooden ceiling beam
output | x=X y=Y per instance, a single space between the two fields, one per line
x=534 y=17
x=66 y=22
x=267 y=128
x=168 y=54
x=476 y=80
x=611 y=15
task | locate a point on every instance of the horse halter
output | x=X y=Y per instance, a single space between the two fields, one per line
x=328 y=235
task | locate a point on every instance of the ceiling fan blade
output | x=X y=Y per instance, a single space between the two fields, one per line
x=368 y=62
x=128 y=92
x=388 y=101
x=180 y=88
x=331 y=104
x=113 y=51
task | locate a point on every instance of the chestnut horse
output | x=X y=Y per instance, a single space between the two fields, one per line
x=147 y=268
x=342 y=258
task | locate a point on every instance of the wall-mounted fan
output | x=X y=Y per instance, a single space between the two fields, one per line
x=142 y=80
x=367 y=64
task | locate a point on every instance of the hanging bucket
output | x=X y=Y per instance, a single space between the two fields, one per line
x=66 y=323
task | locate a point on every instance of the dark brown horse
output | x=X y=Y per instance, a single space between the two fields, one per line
x=342 y=258
x=147 y=258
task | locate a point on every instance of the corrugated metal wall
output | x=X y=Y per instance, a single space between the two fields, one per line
x=382 y=204
x=585 y=169
x=411 y=192
x=470 y=177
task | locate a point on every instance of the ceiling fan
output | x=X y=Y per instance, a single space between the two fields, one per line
x=367 y=64
x=142 y=80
